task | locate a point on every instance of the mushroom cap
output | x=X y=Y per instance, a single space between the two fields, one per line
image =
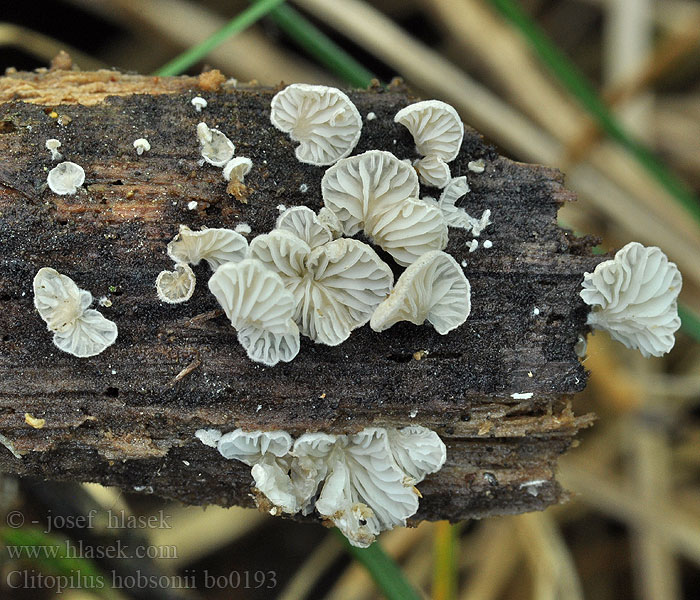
x=176 y=286
x=364 y=491
x=323 y=119
x=215 y=147
x=59 y=301
x=237 y=168
x=367 y=184
x=408 y=230
x=91 y=334
x=63 y=306
x=435 y=126
x=418 y=451
x=433 y=171
x=336 y=286
x=65 y=178
x=433 y=288
x=635 y=298
x=53 y=144
x=251 y=446
x=305 y=224
x=217 y=246
x=260 y=309
x=143 y=144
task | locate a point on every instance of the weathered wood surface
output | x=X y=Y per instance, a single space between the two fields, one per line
x=125 y=418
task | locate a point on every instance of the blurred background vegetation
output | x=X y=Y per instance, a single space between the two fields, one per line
x=606 y=90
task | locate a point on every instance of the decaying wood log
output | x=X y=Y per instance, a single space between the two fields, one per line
x=127 y=417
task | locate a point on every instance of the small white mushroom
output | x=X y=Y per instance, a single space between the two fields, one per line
x=177 y=286
x=476 y=166
x=434 y=288
x=77 y=329
x=377 y=192
x=417 y=450
x=243 y=228
x=336 y=285
x=53 y=145
x=65 y=178
x=199 y=103
x=635 y=299
x=455 y=216
x=237 y=168
x=323 y=119
x=437 y=131
x=216 y=246
x=488 y=244
x=260 y=309
x=216 y=148
x=142 y=145
x=305 y=224
x=208 y=437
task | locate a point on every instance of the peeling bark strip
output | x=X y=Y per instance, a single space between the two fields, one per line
x=127 y=417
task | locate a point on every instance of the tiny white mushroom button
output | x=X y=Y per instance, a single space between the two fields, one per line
x=65 y=178
x=199 y=103
x=53 y=145
x=142 y=145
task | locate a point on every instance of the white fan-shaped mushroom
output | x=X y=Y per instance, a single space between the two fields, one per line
x=265 y=452
x=260 y=309
x=305 y=224
x=250 y=446
x=634 y=298
x=417 y=450
x=364 y=491
x=176 y=286
x=63 y=306
x=433 y=288
x=215 y=147
x=433 y=171
x=408 y=230
x=367 y=184
x=336 y=286
x=216 y=246
x=237 y=168
x=437 y=131
x=323 y=119
x=65 y=178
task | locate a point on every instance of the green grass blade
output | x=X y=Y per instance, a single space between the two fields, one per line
x=690 y=322
x=236 y=25
x=569 y=75
x=386 y=574
x=320 y=46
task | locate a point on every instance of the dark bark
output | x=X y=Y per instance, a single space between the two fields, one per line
x=125 y=418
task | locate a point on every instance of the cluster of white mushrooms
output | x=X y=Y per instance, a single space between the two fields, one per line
x=363 y=483
x=304 y=277
x=308 y=276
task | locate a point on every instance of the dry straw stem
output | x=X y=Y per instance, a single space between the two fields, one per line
x=677 y=526
x=247 y=56
x=616 y=185
x=42 y=46
x=554 y=573
x=499 y=555
x=312 y=569
x=651 y=466
x=510 y=61
x=197 y=533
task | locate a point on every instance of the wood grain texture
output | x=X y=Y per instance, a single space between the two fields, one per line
x=125 y=418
